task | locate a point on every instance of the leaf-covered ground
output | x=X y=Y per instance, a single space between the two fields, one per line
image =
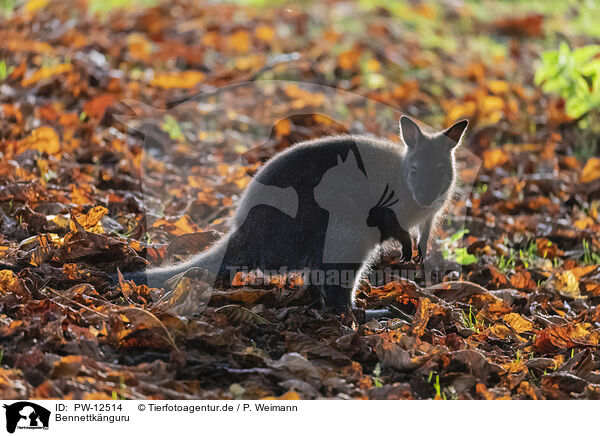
x=520 y=321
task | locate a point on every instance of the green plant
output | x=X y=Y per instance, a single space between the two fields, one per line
x=436 y=385
x=528 y=255
x=7 y=7
x=122 y=387
x=5 y=70
x=376 y=373
x=573 y=75
x=451 y=251
x=506 y=264
x=104 y=6
x=481 y=189
x=171 y=126
x=471 y=322
x=589 y=256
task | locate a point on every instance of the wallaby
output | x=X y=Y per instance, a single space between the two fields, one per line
x=325 y=205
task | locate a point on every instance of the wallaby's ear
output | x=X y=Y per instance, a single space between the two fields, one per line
x=339 y=159
x=455 y=132
x=410 y=131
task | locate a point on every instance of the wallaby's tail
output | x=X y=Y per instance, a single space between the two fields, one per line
x=210 y=264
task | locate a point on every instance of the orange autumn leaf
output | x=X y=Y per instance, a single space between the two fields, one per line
x=567 y=284
x=581 y=271
x=283 y=127
x=91 y=219
x=81 y=195
x=179 y=227
x=584 y=223
x=290 y=395
x=9 y=282
x=515 y=366
x=518 y=323
x=500 y=331
x=240 y=41
x=96 y=108
x=264 y=33
x=493 y=158
x=498 y=86
x=184 y=79
x=43 y=139
x=523 y=280
x=34 y=5
x=349 y=59
x=140 y=48
x=591 y=170
x=46 y=72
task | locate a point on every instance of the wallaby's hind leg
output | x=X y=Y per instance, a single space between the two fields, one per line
x=339 y=285
x=316 y=296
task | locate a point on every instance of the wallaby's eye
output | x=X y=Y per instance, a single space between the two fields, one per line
x=413 y=170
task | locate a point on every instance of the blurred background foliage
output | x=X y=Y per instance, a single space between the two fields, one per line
x=451 y=47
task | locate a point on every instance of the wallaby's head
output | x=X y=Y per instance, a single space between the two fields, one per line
x=429 y=169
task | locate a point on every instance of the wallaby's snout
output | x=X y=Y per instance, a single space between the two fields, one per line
x=429 y=190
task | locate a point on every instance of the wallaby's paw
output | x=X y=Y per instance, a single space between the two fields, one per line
x=406 y=256
x=419 y=258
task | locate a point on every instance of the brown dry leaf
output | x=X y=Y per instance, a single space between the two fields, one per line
x=528 y=25
x=518 y=323
x=424 y=311
x=523 y=280
x=556 y=338
x=68 y=366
